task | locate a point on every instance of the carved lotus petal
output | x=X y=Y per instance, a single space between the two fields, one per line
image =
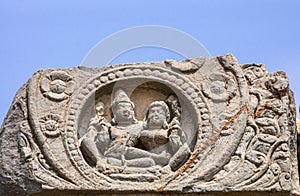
x=70 y=87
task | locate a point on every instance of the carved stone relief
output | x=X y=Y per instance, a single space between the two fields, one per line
x=199 y=125
x=57 y=85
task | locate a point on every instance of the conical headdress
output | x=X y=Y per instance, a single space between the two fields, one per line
x=121 y=96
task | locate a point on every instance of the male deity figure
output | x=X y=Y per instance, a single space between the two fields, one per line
x=106 y=143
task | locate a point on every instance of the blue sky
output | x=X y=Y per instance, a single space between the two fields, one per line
x=38 y=34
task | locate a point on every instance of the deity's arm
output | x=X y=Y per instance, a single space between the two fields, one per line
x=90 y=149
x=175 y=142
x=174 y=138
x=103 y=137
x=95 y=140
x=132 y=141
x=133 y=138
x=87 y=141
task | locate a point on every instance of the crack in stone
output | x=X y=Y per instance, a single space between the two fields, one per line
x=199 y=150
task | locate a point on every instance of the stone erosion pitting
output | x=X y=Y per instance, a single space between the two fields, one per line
x=199 y=125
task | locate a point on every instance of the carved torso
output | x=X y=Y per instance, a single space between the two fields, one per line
x=119 y=139
x=153 y=139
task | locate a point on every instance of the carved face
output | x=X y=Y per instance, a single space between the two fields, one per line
x=124 y=113
x=156 y=117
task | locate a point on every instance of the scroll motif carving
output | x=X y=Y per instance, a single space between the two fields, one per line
x=262 y=158
x=24 y=143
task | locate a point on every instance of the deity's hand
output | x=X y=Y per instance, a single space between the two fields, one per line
x=174 y=126
x=162 y=159
x=94 y=121
x=165 y=169
x=131 y=141
x=103 y=123
x=175 y=141
x=101 y=165
x=103 y=128
x=174 y=137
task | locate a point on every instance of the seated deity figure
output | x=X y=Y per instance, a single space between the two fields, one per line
x=106 y=143
x=160 y=140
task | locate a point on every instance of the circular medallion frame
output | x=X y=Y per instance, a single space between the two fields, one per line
x=128 y=72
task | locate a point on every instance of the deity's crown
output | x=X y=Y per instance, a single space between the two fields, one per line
x=120 y=96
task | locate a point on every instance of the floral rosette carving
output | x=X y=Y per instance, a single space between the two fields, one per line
x=219 y=88
x=57 y=85
x=51 y=125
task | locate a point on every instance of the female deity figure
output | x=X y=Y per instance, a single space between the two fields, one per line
x=162 y=141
